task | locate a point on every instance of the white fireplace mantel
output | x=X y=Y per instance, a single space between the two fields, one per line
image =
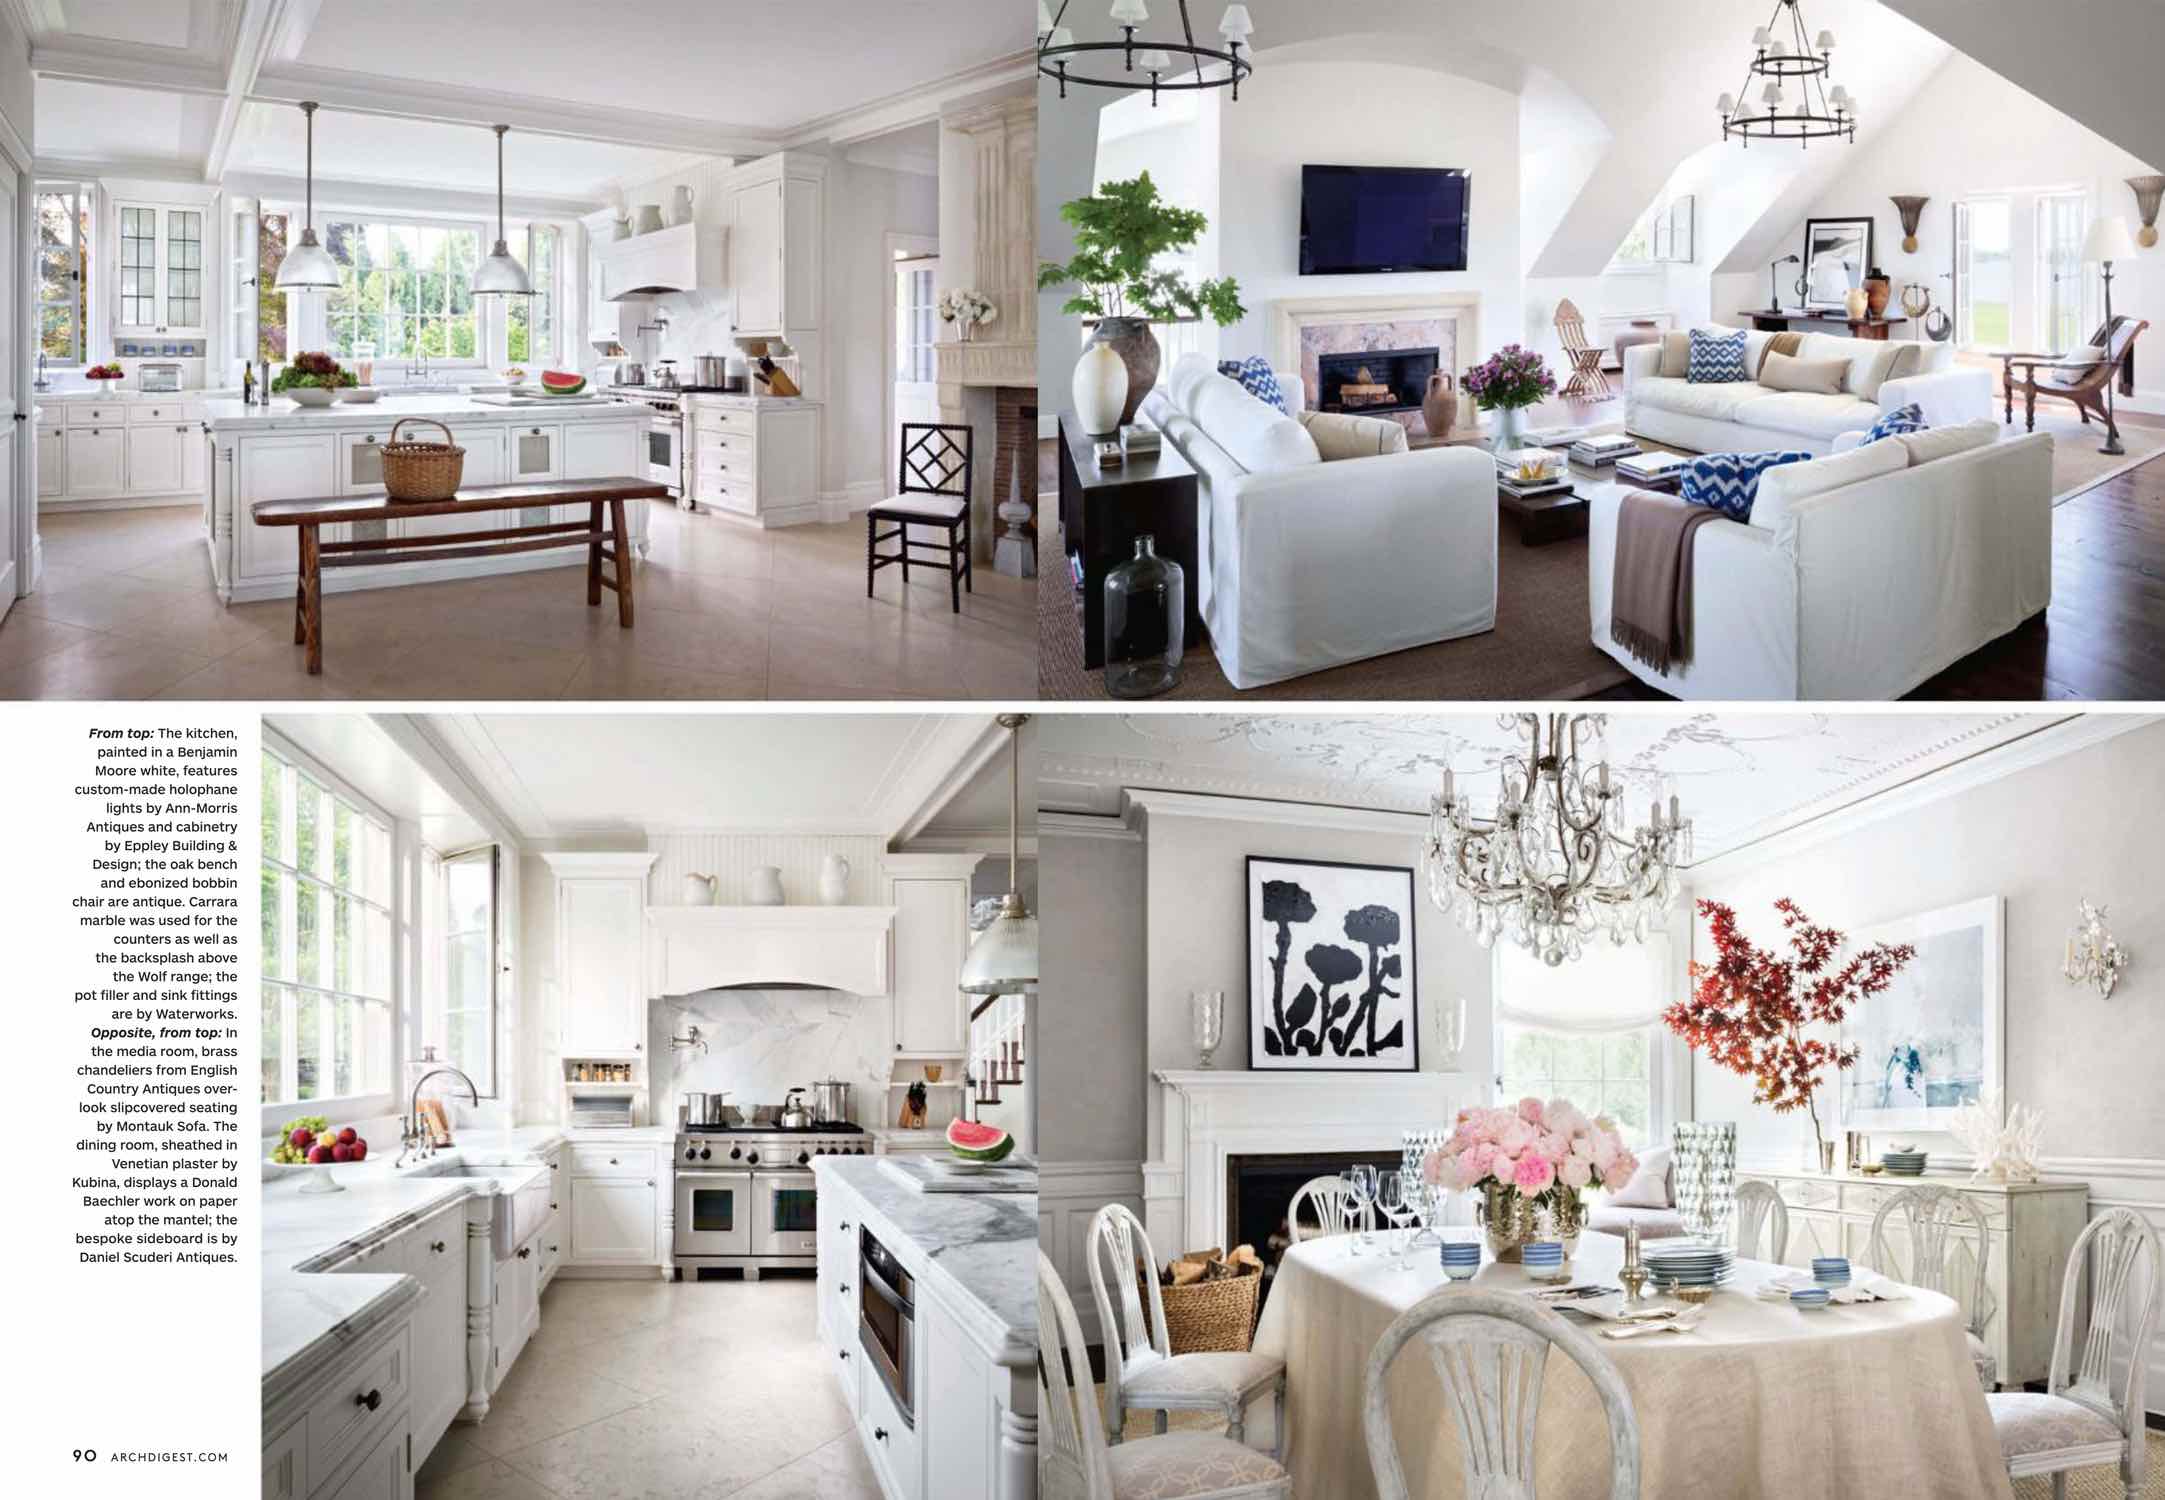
x=1460 y=310
x=1206 y=1116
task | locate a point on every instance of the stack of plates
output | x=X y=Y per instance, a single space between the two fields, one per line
x=1808 y=1298
x=1673 y=1263
x=1831 y=1271
x=1461 y=1259
x=1903 y=1163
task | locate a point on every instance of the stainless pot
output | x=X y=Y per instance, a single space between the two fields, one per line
x=710 y=370
x=705 y=1108
x=830 y=1101
x=631 y=372
x=794 y=1115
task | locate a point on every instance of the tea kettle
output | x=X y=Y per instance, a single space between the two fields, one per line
x=701 y=890
x=794 y=1114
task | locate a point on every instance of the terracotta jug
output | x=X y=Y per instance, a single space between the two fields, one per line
x=1439 y=407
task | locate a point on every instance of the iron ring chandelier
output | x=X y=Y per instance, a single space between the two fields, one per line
x=1783 y=57
x=1056 y=45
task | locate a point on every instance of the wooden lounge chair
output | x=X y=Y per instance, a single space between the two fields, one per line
x=1587 y=379
x=2082 y=383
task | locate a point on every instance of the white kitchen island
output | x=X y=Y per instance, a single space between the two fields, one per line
x=289 y=452
x=972 y=1378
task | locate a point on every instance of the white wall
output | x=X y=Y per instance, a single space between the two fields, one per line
x=1970 y=132
x=1093 y=985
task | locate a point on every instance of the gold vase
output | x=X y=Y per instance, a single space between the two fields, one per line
x=1507 y=1219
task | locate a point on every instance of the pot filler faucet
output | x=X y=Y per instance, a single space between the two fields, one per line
x=411 y=1135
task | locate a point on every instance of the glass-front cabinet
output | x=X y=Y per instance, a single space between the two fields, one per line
x=161 y=277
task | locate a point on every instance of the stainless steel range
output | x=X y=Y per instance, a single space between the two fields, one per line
x=746 y=1196
x=664 y=435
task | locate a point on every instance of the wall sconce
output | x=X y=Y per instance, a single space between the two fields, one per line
x=2093 y=957
x=1911 y=209
x=2149 y=192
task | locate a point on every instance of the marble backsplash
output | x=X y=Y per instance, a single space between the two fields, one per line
x=762 y=1043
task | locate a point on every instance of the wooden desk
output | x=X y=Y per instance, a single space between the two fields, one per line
x=1771 y=320
x=1103 y=511
x=608 y=540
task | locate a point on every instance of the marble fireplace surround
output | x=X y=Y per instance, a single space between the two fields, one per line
x=1450 y=322
x=1208 y=1115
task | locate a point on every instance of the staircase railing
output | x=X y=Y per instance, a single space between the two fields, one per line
x=996 y=1045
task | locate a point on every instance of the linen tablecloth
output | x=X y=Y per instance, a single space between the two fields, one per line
x=1762 y=1399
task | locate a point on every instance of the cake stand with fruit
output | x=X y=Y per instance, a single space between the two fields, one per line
x=105 y=375
x=310 y=1142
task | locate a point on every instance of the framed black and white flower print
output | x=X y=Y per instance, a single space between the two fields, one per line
x=1332 y=985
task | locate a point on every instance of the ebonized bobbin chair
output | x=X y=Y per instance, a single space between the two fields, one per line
x=933 y=490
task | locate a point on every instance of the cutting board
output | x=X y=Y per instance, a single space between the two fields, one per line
x=933 y=1174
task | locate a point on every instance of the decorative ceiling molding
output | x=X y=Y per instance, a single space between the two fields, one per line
x=919 y=104
x=336 y=193
x=1086 y=826
x=264 y=29
x=942 y=756
x=128 y=65
x=1159 y=804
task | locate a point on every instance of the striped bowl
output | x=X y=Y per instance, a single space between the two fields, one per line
x=1810 y=1298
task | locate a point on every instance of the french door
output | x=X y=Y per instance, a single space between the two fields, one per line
x=914 y=329
x=2062 y=285
x=1984 y=274
x=14 y=428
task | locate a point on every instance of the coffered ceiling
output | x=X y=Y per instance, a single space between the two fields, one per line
x=1742 y=777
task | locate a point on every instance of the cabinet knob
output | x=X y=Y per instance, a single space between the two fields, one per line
x=438 y=1247
x=845 y=1228
x=553 y=1249
x=552 y=1208
x=525 y=1251
x=372 y=1400
x=650 y=1182
x=612 y=1161
x=843 y=1289
x=880 y=1433
x=842 y=1354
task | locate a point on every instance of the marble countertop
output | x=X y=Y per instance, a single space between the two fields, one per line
x=973 y=1251
x=229 y=414
x=894 y=1135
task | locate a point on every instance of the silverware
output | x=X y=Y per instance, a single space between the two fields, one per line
x=1633 y=1330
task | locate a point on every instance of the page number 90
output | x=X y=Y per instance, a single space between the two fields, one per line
x=86 y=1455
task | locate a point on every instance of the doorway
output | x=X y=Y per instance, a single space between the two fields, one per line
x=2020 y=283
x=913 y=392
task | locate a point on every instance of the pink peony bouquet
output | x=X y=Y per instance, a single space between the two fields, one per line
x=1536 y=1149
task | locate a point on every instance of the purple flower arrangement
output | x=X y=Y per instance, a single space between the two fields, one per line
x=1512 y=377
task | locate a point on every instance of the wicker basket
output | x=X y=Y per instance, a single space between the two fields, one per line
x=415 y=471
x=1212 y=1317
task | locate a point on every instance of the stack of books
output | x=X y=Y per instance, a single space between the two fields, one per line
x=1599 y=452
x=1141 y=440
x=1527 y=472
x=1651 y=471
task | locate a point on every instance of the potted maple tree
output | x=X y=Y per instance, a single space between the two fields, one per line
x=1749 y=1010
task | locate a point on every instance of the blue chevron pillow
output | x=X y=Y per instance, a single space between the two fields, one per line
x=1258 y=379
x=1902 y=419
x=1716 y=357
x=1729 y=482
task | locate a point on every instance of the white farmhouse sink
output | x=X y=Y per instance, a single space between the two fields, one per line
x=518 y=1205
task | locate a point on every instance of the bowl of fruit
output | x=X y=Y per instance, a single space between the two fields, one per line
x=105 y=374
x=310 y=1142
x=313 y=379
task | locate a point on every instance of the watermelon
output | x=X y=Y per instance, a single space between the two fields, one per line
x=974 y=1142
x=562 y=382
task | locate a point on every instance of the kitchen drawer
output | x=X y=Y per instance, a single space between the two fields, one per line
x=387 y=1472
x=1800 y=1192
x=726 y=420
x=612 y=1161
x=361 y=1403
x=727 y=494
x=891 y=1441
x=725 y=449
x=97 y=413
x=1865 y=1199
x=285 y=1463
x=152 y=413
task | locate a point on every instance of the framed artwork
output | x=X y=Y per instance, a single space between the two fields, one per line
x=1837 y=258
x=1331 y=975
x=1932 y=1042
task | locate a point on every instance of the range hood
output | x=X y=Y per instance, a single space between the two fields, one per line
x=693 y=948
x=687 y=258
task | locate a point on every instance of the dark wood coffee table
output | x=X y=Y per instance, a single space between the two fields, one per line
x=1103 y=511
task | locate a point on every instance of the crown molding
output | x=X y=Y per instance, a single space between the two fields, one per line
x=566 y=862
x=1086 y=826
x=920 y=104
x=129 y=65
x=1157 y=804
x=336 y=193
x=973 y=742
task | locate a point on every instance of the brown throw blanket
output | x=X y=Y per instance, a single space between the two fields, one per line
x=1650 y=601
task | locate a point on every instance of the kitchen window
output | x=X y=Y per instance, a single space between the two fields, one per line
x=406 y=290
x=63 y=272
x=1589 y=1032
x=458 y=937
x=273 y=227
x=327 y=941
x=531 y=334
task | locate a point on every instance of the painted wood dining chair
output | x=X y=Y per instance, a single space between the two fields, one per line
x=1141 y=1371
x=1074 y=1460
x=1760 y=1208
x=2091 y=1412
x=1490 y=1350
x=1325 y=1198
x=932 y=494
x=1587 y=379
x=1949 y=1249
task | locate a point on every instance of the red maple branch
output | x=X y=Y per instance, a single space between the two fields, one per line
x=1749 y=1008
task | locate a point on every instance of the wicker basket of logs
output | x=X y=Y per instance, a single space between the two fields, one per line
x=1210 y=1301
x=415 y=471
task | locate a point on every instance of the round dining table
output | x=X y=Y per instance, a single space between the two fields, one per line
x=1758 y=1399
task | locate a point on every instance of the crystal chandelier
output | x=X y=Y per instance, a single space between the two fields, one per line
x=1555 y=862
x=1148 y=65
x=1783 y=59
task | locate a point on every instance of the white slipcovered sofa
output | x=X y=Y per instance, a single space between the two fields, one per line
x=1308 y=563
x=1746 y=417
x=1859 y=575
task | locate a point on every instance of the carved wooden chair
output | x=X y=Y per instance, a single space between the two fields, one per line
x=1325 y=1200
x=933 y=492
x=1074 y=1461
x=1946 y=1255
x=1587 y=378
x=1141 y=1371
x=2092 y=1410
x=1490 y=1350
x=2083 y=384
x=1760 y=1207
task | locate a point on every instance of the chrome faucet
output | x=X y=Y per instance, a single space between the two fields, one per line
x=415 y=372
x=412 y=1136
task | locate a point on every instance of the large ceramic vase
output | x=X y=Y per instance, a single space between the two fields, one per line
x=1510 y=1221
x=1641 y=331
x=1137 y=346
x=1439 y=406
x=1877 y=289
x=1705 y=1164
x=1101 y=389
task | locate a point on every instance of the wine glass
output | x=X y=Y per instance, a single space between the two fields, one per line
x=1425 y=1200
x=1391 y=1203
x=1349 y=1208
x=1364 y=1191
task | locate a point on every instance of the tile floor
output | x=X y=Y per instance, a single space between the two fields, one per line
x=654 y=1390
x=126 y=610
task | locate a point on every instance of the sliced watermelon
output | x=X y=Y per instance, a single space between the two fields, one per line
x=562 y=382
x=974 y=1142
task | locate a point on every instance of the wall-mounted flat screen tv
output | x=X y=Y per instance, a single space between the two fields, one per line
x=1366 y=220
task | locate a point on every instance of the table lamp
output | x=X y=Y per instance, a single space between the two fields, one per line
x=1774 y=282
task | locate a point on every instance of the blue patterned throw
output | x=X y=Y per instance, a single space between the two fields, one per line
x=1716 y=357
x=1257 y=378
x=1902 y=419
x=1729 y=482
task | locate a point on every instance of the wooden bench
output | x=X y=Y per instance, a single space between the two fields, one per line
x=604 y=539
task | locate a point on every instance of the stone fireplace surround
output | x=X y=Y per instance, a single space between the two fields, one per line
x=1208 y=1116
x=1305 y=329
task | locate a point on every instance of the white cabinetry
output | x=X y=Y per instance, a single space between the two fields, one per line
x=163 y=286
x=97 y=462
x=931 y=897
x=614 y=1221
x=601 y=952
x=756 y=460
x=483 y=465
x=107 y=449
x=348 y=1435
x=435 y=1254
x=155 y=463
x=777 y=211
x=517 y=1312
x=604 y=450
x=52 y=461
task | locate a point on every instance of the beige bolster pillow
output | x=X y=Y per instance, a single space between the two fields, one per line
x=1784 y=372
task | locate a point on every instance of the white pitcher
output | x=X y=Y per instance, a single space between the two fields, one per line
x=833 y=881
x=701 y=890
x=680 y=206
x=648 y=220
x=766 y=886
